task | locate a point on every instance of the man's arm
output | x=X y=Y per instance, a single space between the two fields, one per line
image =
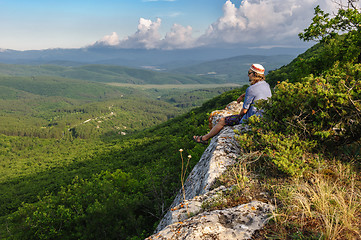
x=240 y=98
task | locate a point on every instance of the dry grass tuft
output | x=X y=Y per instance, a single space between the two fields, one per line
x=323 y=204
x=326 y=206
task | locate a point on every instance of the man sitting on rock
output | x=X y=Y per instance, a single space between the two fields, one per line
x=259 y=89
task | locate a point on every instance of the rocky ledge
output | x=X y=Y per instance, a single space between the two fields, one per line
x=186 y=219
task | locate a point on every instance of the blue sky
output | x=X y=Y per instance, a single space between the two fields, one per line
x=168 y=24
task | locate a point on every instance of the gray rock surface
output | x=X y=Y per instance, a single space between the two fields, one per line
x=234 y=223
x=186 y=219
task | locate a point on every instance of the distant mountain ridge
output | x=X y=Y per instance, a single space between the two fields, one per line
x=229 y=70
x=163 y=59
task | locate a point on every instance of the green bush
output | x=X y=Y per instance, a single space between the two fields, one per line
x=325 y=108
x=288 y=153
x=118 y=204
x=304 y=117
x=109 y=204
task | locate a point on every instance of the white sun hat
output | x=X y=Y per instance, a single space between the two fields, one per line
x=258 y=68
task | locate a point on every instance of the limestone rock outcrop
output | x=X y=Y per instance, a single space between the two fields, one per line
x=236 y=223
x=186 y=218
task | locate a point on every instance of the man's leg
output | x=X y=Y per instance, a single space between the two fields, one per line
x=215 y=130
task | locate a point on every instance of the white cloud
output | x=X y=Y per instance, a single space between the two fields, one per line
x=178 y=37
x=147 y=35
x=110 y=40
x=253 y=23
x=262 y=21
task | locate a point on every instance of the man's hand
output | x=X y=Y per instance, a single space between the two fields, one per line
x=240 y=98
x=243 y=112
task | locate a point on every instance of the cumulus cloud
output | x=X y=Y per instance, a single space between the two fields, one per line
x=260 y=21
x=178 y=37
x=109 y=40
x=264 y=22
x=252 y=23
x=147 y=36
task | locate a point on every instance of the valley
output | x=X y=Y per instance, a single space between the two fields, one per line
x=62 y=123
x=93 y=140
x=55 y=129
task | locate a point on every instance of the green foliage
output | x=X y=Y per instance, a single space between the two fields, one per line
x=235 y=69
x=232 y=70
x=122 y=187
x=104 y=74
x=304 y=117
x=323 y=27
x=321 y=108
x=113 y=186
x=30 y=167
x=221 y=101
x=288 y=153
x=57 y=86
x=194 y=98
x=104 y=208
x=326 y=29
x=52 y=107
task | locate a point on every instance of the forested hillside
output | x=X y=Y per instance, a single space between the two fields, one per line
x=105 y=73
x=230 y=70
x=49 y=107
x=235 y=69
x=128 y=180
x=55 y=129
x=304 y=155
